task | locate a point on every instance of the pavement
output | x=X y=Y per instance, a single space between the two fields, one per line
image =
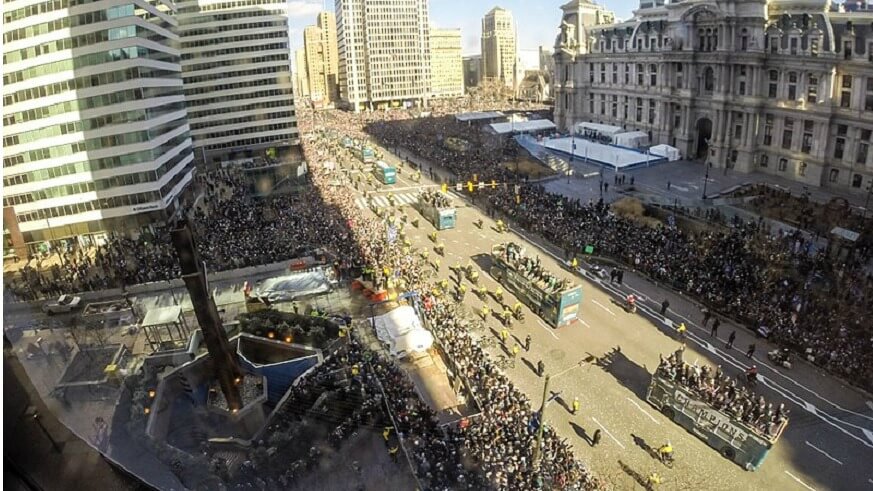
x=828 y=443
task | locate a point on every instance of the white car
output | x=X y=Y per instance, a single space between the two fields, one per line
x=64 y=304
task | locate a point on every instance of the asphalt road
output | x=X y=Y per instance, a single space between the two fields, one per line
x=828 y=443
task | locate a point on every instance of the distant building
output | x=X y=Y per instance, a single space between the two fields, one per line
x=322 y=61
x=237 y=78
x=446 y=67
x=384 y=53
x=301 y=80
x=500 y=47
x=472 y=71
x=780 y=86
x=96 y=136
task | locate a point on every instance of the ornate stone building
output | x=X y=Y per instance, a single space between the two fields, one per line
x=780 y=86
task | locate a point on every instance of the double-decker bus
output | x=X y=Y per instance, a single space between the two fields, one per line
x=385 y=173
x=554 y=299
x=734 y=440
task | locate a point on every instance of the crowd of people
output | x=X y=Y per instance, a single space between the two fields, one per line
x=435 y=199
x=513 y=254
x=725 y=394
x=805 y=300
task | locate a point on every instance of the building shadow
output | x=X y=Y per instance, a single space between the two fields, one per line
x=629 y=374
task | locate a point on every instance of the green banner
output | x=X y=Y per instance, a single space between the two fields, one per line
x=589 y=249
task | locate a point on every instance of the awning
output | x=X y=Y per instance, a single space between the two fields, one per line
x=845 y=234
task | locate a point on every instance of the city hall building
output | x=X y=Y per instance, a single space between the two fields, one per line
x=781 y=87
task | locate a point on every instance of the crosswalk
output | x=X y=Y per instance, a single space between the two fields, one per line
x=400 y=199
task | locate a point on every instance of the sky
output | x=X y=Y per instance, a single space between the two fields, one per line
x=538 y=20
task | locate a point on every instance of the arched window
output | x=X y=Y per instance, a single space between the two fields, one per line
x=744 y=39
x=708 y=80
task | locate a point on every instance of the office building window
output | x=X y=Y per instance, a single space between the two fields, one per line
x=773 y=88
x=653 y=75
x=765 y=159
x=857 y=180
x=640 y=74
x=768 y=130
x=783 y=164
x=833 y=175
x=787 y=133
x=792 y=86
x=846 y=93
x=806 y=145
x=868 y=99
x=801 y=169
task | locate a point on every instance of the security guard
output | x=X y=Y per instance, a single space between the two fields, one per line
x=500 y=226
x=436 y=264
x=506 y=315
x=498 y=294
x=504 y=335
x=517 y=308
x=485 y=311
x=575 y=405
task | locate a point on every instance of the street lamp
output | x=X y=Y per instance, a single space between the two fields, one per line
x=539 y=440
x=706 y=178
x=867 y=202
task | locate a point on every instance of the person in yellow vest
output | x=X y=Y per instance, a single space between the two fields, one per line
x=681 y=330
x=575 y=263
x=485 y=311
x=386 y=433
x=444 y=284
x=517 y=307
x=500 y=226
x=576 y=405
x=515 y=350
x=653 y=480
x=432 y=236
x=504 y=335
x=436 y=264
x=393 y=452
x=506 y=316
x=498 y=294
x=355 y=370
x=483 y=291
x=441 y=248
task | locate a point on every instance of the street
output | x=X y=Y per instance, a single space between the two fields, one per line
x=830 y=433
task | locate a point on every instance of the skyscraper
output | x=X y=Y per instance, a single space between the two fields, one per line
x=384 y=52
x=322 y=62
x=301 y=79
x=472 y=71
x=237 y=78
x=499 y=47
x=95 y=133
x=447 y=70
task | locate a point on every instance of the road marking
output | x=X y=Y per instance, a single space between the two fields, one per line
x=643 y=410
x=710 y=348
x=801 y=482
x=547 y=328
x=584 y=323
x=822 y=451
x=607 y=432
x=604 y=307
x=868 y=434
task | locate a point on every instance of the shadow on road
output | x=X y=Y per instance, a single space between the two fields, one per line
x=626 y=371
x=580 y=432
x=639 y=478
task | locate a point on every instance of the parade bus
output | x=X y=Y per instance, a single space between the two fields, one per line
x=436 y=207
x=385 y=173
x=734 y=440
x=558 y=305
x=367 y=154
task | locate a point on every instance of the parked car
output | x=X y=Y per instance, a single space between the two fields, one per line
x=64 y=304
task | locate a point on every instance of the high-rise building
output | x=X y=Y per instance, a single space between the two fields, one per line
x=301 y=79
x=237 y=78
x=384 y=52
x=778 y=87
x=95 y=134
x=472 y=71
x=446 y=67
x=499 y=47
x=322 y=62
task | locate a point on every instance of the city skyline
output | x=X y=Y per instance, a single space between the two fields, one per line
x=539 y=29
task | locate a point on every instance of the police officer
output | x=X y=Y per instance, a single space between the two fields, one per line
x=541 y=368
x=527 y=343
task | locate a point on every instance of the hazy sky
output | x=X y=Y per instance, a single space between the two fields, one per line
x=537 y=20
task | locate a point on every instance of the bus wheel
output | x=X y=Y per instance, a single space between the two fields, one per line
x=668 y=412
x=728 y=453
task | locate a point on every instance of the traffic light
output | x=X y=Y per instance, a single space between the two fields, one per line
x=493 y=184
x=475 y=177
x=518 y=199
x=470 y=186
x=445 y=188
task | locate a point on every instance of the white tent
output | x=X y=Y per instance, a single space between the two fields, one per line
x=631 y=139
x=598 y=129
x=672 y=153
x=402 y=331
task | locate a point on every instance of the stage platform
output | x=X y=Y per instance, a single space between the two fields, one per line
x=612 y=157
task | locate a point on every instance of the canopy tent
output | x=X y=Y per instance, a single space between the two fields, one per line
x=477 y=116
x=522 y=126
x=402 y=331
x=631 y=139
x=672 y=153
x=596 y=129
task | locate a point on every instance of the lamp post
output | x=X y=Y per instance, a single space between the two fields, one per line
x=867 y=202
x=706 y=178
x=539 y=441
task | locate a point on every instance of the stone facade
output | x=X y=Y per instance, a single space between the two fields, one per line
x=781 y=87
